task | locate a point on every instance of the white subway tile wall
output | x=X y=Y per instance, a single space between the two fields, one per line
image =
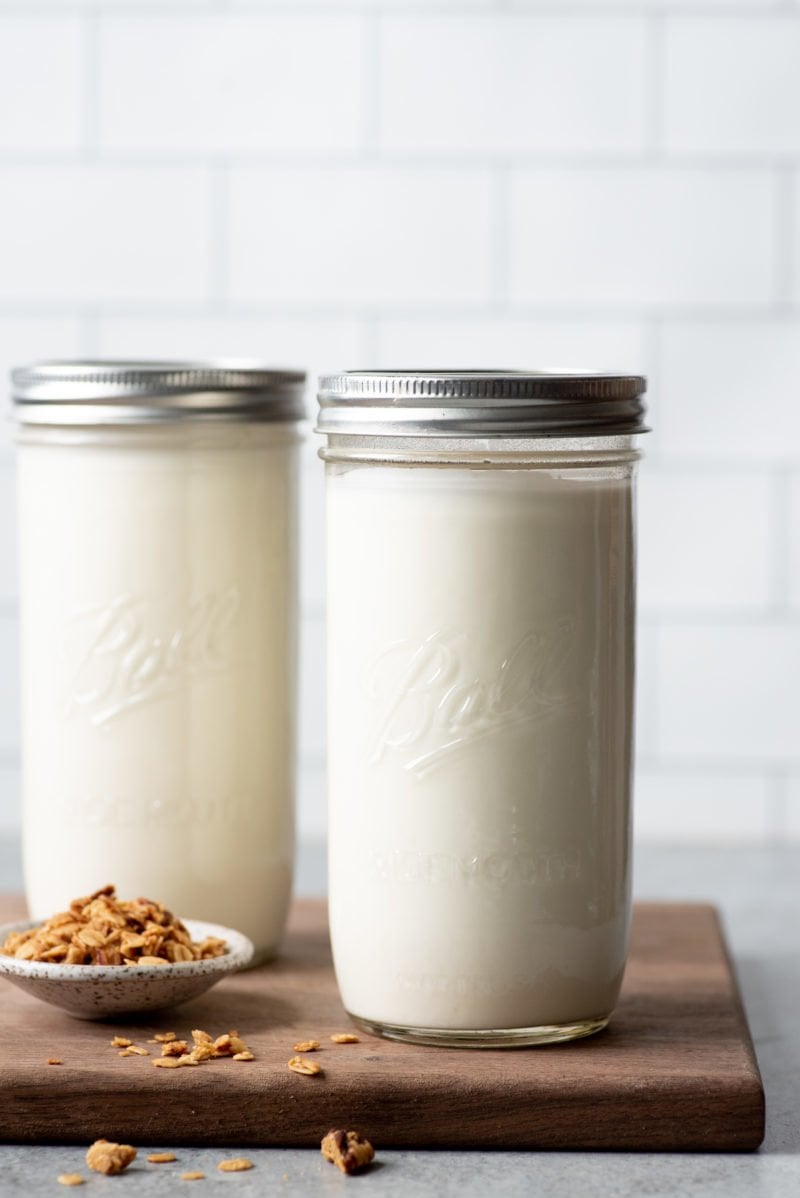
x=793 y=810
x=729 y=692
x=552 y=344
x=646 y=695
x=732 y=86
x=652 y=238
x=9 y=808
x=41 y=59
x=360 y=236
x=230 y=84
x=709 y=540
x=9 y=686
x=794 y=534
x=600 y=184
x=75 y=233
x=8 y=540
x=511 y=77
x=730 y=389
x=22 y=339
x=685 y=807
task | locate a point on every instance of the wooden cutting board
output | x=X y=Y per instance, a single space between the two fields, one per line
x=674 y=1070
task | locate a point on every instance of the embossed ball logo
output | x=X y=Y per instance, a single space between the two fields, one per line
x=130 y=652
x=433 y=700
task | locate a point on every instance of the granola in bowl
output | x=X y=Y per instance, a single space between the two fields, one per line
x=99 y=929
x=105 y=958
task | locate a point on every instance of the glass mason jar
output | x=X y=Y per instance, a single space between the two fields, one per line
x=158 y=586
x=480 y=690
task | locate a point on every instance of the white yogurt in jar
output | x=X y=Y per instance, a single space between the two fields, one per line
x=480 y=690
x=159 y=624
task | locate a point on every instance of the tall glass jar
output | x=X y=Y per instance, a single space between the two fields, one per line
x=158 y=554
x=480 y=691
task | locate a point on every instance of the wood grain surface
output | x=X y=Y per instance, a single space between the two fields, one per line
x=675 y=1070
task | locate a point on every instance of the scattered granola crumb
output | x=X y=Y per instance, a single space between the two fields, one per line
x=345 y=1038
x=121 y=1042
x=229 y=1044
x=348 y=1150
x=237 y=1165
x=196 y=1176
x=70 y=1179
x=54 y=1061
x=104 y=1156
x=161 y=1158
x=301 y=1065
x=99 y=929
x=306 y=1046
x=174 y=1048
x=175 y=1052
x=202 y=1053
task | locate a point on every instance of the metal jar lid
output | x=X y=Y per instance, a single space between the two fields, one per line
x=152 y=392
x=478 y=403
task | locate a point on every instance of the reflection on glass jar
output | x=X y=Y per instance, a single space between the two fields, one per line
x=480 y=657
x=159 y=610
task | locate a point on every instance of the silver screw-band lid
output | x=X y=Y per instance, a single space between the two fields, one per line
x=131 y=392
x=480 y=403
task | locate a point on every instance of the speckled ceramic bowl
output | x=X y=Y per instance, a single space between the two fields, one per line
x=101 y=991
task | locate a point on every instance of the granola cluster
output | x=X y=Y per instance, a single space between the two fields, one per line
x=348 y=1150
x=175 y=1052
x=101 y=930
x=303 y=1065
x=106 y=1157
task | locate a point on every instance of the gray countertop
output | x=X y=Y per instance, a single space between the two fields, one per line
x=758 y=891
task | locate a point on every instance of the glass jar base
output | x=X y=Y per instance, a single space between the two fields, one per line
x=514 y=1037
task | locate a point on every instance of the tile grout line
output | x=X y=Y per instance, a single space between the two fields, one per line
x=498 y=303
x=664 y=766
x=90 y=83
x=701 y=9
x=645 y=647
x=780 y=539
x=369 y=330
x=719 y=617
x=654 y=337
x=370 y=117
x=571 y=8
x=89 y=332
x=218 y=235
x=313 y=157
x=783 y=250
x=500 y=215
x=655 y=65
x=444 y=311
x=656 y=716
x=777 y=807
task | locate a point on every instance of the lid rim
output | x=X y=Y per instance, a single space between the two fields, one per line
x=480 y=403
x=80 y=392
